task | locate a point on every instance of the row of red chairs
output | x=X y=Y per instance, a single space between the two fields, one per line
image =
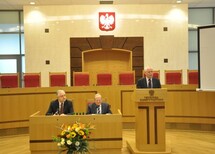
x=175 y=76
x=103 y=79
x=83 y=78
x=59 y=79
x=11 y=80
x=128 y=78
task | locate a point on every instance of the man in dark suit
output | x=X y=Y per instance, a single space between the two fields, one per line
x=61 y=105
x=98 y=107
x=148 y=81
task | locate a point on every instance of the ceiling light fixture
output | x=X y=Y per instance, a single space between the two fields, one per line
x=178 y=1
x=32 y=3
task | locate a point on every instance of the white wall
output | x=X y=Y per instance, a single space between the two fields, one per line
x=82 y=21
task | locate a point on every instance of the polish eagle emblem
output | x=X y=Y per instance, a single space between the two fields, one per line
x=106 y=21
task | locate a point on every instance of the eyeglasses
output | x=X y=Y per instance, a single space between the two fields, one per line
x=62 y=95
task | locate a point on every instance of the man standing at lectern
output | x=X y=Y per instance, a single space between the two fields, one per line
x=98 y=107
x=148 y=81
x=61 y=105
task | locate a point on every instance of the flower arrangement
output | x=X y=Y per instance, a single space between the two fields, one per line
x=73 y=138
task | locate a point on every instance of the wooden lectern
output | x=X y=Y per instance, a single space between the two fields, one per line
x=150 y=122
x=105 y=139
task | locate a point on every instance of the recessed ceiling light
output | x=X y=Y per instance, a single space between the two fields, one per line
x=178 y=1
x=32 y=3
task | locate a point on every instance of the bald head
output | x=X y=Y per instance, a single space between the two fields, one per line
x=98 y=99
x=147 y=68
x=61 y=96
x=148 y=72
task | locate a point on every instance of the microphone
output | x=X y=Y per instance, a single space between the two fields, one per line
x=57 y=112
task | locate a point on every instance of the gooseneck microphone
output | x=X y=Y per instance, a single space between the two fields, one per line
x=57 y=112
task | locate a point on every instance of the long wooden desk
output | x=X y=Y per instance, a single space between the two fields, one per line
x=184 y=104
x=105 y=138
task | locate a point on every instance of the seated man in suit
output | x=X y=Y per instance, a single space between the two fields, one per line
x=61 y=105
x=98 y=107
x=148 y=81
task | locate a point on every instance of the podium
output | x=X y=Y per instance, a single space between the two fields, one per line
x=150 y=122
x=105 y=138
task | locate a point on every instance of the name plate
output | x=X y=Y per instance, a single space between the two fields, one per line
x=151 y=95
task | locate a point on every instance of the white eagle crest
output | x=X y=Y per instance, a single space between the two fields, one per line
x=106 y=21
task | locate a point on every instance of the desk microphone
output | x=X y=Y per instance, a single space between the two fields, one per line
x=57 y=112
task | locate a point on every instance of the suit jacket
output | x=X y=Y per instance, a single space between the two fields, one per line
x=142 y=83
x=54 y=107
x=92 y=108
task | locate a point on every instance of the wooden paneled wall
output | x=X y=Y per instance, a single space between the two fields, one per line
x=134 y=44
x=106 y=61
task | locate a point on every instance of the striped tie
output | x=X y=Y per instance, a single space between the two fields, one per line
x=98 y=110
x=61 y=108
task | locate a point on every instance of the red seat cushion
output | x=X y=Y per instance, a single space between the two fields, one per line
x=173 y=78
x=57 y=80
x=156 y=75
x=104 y=79
x=193 y=78
x=81 y=80
x=9 y=81
x=126 y=79
x=32 y=80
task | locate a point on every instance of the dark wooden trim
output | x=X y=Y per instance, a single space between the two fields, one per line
x=156 y=108
x=91 y=139
x=181 y=116
x=13 y=121
x=147 y=115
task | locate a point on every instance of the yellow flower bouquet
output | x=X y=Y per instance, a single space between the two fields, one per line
x=74 y=138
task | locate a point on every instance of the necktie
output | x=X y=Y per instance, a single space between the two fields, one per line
x=149 y=84
x=61 y=108
x=98 y=110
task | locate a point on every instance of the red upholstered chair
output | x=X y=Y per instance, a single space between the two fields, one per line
x=57 y=79
x=126 y=78
x=10 y=80
x=0 y=80
x=173 y=76
x=156 y=74
x=104 y=79
x=32 y=79
x=81 y=79
x=192 y=77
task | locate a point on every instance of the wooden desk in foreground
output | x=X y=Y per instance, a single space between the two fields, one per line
x=106 y=138
x=186 y=108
